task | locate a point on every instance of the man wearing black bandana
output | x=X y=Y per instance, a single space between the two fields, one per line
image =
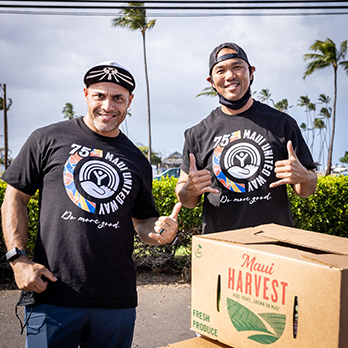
x=243 y=154
x=95 y=190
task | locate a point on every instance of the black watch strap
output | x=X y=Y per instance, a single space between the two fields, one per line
x=14 y=254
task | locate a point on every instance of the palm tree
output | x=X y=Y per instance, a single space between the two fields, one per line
x=2 y=100
x=208 y=92
x=319 y=124
x=326 y=114
x=324 y=99
x=2 y=103
x=303 y=127
x=283 y=105
x=134 y=18
x=68 y=111
x=305 y=101
x=327 y=55
x=3 y=156
x=312 y=107
x=344 y=159
x=265 y=96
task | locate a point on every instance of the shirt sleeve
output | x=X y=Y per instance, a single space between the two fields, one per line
x=194 y=140
x=25 y=171
x=145 y=205
x=185 y=165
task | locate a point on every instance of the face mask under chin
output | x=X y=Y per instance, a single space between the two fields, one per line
x=235 y=104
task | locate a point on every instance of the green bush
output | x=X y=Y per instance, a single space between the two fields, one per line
x=6 y=273
x=326 y=211
x=190 y=223
x=33 y=213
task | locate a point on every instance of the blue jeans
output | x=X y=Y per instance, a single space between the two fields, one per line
x=64 y=327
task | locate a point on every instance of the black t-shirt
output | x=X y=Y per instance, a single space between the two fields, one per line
x=90 y=188
x=240 y=152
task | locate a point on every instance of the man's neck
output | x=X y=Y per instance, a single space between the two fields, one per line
x=247 y=106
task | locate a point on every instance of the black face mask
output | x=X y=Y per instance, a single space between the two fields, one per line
x=237 y=104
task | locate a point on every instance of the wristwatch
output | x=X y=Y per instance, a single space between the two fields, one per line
x=15 y=253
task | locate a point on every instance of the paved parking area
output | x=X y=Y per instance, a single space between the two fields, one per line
x=163 y=316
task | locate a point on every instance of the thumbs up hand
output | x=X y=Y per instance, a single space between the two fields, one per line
x=290 y=171
x=166 y=226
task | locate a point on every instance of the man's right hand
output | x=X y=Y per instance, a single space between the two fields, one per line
x=191 y=186
x=199 y=181
x=28 y=275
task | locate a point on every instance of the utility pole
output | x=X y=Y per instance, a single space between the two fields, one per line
x=5 y=127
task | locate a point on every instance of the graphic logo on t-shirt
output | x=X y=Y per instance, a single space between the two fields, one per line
x=242 y=160
x=99 y=180
x=94 y=182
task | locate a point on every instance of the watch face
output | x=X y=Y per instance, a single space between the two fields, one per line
x=14 y=253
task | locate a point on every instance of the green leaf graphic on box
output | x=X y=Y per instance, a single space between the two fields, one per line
x=264 y=339
x=245 y=320
x=276 y=321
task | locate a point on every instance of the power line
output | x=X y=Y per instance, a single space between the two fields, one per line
x=247 y=10
x=167 y=15
x=188 y=2
x=99 y=7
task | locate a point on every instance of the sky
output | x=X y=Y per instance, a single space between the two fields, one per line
x=43 y=59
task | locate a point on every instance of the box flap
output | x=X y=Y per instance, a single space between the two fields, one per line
x=307 y=239
x=275 y=234
x=241 y=236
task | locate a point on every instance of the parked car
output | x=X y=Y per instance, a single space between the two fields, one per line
x=169 y=172
x=340 y=169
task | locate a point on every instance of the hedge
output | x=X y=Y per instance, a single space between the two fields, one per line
x=190 y=223
x=326 y=211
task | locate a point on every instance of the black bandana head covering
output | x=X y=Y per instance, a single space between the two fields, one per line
x=214 y=59
x=110 y=71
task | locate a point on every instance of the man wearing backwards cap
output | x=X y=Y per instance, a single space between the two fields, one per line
x=95 y=190
x=241 y=156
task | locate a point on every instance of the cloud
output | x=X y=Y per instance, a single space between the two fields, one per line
x=44 y=59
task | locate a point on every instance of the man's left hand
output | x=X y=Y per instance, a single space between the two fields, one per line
x=290 y=171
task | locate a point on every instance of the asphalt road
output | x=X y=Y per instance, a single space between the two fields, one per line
x=163 y=317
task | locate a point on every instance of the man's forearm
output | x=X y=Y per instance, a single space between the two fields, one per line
x=15 y=218
x=307 y=188
x=187 y=200
x=144 y=227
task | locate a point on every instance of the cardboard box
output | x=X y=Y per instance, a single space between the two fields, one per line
x=198 y=342
x=271 y=285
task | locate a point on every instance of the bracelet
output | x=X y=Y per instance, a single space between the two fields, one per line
x=173 y=241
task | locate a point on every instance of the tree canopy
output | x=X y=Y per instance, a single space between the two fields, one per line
x=326 y=54
x=344 y=159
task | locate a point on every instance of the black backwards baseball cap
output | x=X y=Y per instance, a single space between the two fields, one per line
x=214 y=59
x=110 y=71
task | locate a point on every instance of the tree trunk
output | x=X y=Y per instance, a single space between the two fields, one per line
x=5 y=128
x=329 y=160
x=148 y=101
